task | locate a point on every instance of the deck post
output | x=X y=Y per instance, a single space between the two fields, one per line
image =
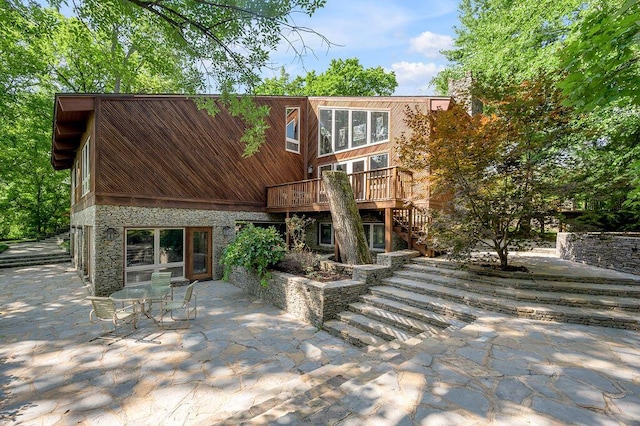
x=410 y=227
x=388 y=230
x=286 y=233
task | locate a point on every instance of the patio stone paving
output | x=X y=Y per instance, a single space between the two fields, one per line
x=242 y=361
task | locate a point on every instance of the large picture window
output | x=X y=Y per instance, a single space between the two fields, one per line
x=153 y=250
x=343 y=129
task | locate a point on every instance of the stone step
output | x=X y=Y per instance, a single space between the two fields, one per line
x=375 y=327
x=623 y=289
x=394 y=319
x=480 y=273
x=34 y=254
x=425 y=284
x=298 y=398
x=351 y=334
x=422 y=315
x=532 y=310
x=447 y=308
x=34 y=260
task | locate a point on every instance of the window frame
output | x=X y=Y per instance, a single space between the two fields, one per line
x=369 y=233
x=367 y=163
x=287 y=139
x=156 y=266
x=86 y=167
x=332 y=132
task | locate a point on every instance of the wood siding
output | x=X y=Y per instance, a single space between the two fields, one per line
x=163 y=151
x=396 y=107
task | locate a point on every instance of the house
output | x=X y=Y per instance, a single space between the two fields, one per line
x=158 y=184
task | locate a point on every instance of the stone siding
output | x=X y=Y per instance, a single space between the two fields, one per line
x=312 y=301
x=606 y=250
x=108 y=256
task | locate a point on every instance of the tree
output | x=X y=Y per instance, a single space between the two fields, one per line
x=347 y=223
x=590 y=51
x=601 y=56
x=45 y=52
x=495 y=169
x=343 y=78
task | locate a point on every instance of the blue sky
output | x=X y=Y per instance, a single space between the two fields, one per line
x=404 y=36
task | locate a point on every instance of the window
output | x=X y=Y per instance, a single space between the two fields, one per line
x=377 y=161
x=293 y=130
x=358 y=128
x=374 y=232
x=86 y=175
x=73 y=184
x=325 y=131
x=379 y=126
x=153 y=250
x=343 y=129
x=326 y=234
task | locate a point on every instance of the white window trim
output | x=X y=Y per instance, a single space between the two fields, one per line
x=73 y=183
x=367 y=162
x=86 y=167
x=350 y=146
x=155 y=267
x=289 y=140
x=364 y=224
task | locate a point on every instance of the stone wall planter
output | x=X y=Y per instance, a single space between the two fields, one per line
x=313 y=301
x=617 y=251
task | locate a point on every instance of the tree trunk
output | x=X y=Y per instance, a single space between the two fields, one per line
x=347 y=224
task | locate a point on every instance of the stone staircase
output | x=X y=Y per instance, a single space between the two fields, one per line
x=429 y=298
x=43 y=252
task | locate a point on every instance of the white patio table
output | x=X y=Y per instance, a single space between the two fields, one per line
x=139 y=295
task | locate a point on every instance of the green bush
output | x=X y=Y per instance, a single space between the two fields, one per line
x=255 y=249
x=3 y=247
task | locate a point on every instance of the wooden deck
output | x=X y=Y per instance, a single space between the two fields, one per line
x=375 y=189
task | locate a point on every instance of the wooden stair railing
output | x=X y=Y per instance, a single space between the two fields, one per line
x=409 y=223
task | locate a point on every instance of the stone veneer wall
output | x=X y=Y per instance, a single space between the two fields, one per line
x=606 y=250
x=317 y=302
x=108 y=256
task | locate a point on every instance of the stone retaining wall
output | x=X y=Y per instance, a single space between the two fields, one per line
x=316 y=302
x=606 y=250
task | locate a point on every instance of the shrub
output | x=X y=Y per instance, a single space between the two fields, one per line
x=3 y=247
x=297 y=229
x=255 y=249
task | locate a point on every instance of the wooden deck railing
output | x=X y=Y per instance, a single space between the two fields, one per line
x=387 y=184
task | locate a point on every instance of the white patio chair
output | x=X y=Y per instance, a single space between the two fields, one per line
x=185 y=303
x=160 y=279
x=104 y=309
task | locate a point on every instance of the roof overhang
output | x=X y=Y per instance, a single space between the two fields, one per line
x=71 y=113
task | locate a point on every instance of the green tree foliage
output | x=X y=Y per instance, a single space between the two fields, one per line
x=255 y=249
x=601 y=56
x=491 y=171
x=590 y=50
x=120 y=46
x=343 y=78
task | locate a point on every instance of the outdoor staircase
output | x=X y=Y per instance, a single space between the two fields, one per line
x=408 y=224
x=429 y=298
x=44 y=252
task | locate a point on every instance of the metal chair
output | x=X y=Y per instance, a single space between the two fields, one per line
x=185 y=304
x=161 y=279
x=104 y=309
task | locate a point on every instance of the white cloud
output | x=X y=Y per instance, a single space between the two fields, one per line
x=413 y=77
x=430 y=44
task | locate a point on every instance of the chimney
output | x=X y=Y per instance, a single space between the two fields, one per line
x=460 y=91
